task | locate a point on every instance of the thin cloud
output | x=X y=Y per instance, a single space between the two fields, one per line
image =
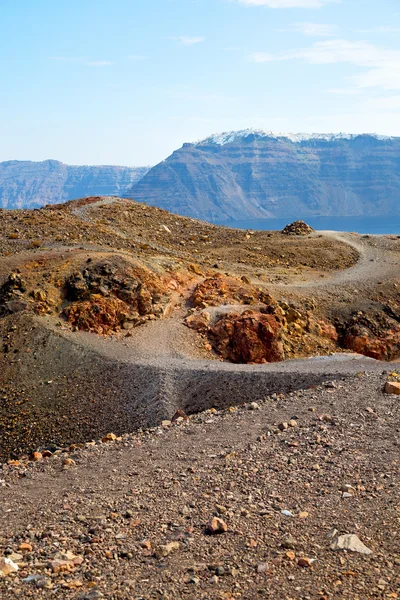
x=288 y=3
x=187 y=40
x=312 y=29
x=381 y=66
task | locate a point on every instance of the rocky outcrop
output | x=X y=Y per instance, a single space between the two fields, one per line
x=108 y=296
x=253 y=175
x=374 y=335
x=220 y=289
x=297 y=228
x=26 y=184
x=250 y=337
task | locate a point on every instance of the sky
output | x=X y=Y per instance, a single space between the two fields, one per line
x=129 y=81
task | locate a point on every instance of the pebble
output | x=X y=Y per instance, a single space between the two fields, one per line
x=305 y=562
x=166 y=549
x=289 y=542
x=351 y=542
x=7 y=566
x=216 y=526
x=109 y=437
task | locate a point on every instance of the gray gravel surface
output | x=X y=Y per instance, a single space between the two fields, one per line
x=118 y=505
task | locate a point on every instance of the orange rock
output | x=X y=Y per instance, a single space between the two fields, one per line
x=392 y=387
x=109 y=437
x=216 y=526
x=305 y=562
x=25 y=547
x=180 y=414
x=250 y=337
x=36 y=456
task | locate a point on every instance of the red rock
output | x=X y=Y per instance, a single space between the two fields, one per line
x=180 y=414
x=251 y=337
x=36 y=456
x=198 y=321
x=305 y=562
x=216 y=526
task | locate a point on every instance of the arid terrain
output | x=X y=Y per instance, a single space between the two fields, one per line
x=269 y=351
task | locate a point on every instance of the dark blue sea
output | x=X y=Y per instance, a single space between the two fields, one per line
x=372 y=225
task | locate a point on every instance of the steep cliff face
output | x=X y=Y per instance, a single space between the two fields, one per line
x=26 y=184
x=255 y=174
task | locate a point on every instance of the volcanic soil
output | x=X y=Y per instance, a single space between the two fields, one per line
x=243 y=372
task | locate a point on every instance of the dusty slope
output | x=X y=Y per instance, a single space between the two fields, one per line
x=60 y=386
x=113 y=505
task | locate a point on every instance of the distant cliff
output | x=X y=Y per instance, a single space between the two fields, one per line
x=256 y=174
x=26 y=184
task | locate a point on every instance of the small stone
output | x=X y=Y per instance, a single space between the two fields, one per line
x=180 y=414
x=7 y=566
x=292 y=423
x=25 y=547
x=109 y=437
x=303 y=514
x=350 y=542
x=262 y=568
x=68 y=462
x=305 y=562
x=15 y=557
x=346 y=488
x=254 y=406
x=216 y=526
x=36 y=456
x=282 y=426
x=166 y=549
x=289 y=542
x=392 y=387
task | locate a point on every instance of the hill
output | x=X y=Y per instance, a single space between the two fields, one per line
x=146 y=391
x=27 y=184
x=257 y=174
x=114 y=314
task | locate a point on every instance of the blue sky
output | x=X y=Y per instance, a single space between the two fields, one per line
x=128 y=81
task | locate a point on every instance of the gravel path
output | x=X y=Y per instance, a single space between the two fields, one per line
x=375 y=263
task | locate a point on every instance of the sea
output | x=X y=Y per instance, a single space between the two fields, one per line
x=371 y=225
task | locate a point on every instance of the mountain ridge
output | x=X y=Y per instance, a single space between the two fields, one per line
x=30 y=184
x=252 y=175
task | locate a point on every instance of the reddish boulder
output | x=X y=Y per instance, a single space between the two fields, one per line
x=97 y=315
x=250 y=337
x=219 y=289
x=375 y=335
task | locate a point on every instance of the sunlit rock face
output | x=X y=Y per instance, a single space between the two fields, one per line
x=255 y=174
